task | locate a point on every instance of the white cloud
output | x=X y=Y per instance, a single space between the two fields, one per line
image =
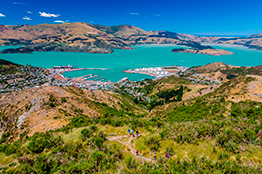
x=137 y=14
x=27 y=18
x=157 y=15
x=59 y=21
x=29 y=12
x=48 y=15
x=2 y=15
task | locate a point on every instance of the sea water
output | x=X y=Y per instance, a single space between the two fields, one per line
x=141 y=56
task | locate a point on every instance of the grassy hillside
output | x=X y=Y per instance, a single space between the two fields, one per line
x=69 y=130
x=226 y=72
x=7 y=67
x=84 y=37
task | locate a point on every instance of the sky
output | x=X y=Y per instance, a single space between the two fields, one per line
x=203 y=17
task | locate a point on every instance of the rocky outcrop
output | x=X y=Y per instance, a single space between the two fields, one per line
x=34 y=107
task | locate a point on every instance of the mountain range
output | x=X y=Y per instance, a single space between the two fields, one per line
x=84 y=37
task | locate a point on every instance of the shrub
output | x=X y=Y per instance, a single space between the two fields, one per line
x=63 y=99
x=99 y=139
x=153 y=143
x=98 y=156
x=80 y=121
x=130 y=162
x=93 y=128
x=4 y=137
x=51 y=104
x=85 y=133
x=37 y=146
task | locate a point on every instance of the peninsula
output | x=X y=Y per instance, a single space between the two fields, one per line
x=210 y=51
x=84 y=37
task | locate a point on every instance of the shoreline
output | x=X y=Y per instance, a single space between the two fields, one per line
x=58 y=75
x=130 y=72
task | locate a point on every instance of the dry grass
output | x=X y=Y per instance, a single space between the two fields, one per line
x=4 y=160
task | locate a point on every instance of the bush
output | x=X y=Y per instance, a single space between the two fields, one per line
x=130 y=162
x=229 y=140
x=63 y=99
x=100 y=139
x=37 y=146
x=93 y=128
x=85 y=133
x=4 y=137
x=80 y=121
x=51 y=104
x=153 y=143
x=98 y=156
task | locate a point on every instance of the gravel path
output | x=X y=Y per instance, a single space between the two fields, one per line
x=128 y=144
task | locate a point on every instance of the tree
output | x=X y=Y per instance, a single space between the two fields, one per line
x=180 y=93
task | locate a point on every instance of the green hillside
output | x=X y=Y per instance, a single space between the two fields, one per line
x=207 y=134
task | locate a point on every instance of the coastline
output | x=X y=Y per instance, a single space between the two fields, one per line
x=58 y=75
x=211 y=52
x=130 y=72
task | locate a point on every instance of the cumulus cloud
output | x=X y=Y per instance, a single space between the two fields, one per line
x=48 y=15
x=2 y=15
x=29 y=12
x=58 y=21
x=27 y=18
x=137 y=14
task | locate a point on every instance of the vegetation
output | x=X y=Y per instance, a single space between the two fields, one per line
x=207 y=134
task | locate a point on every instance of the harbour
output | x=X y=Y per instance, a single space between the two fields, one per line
x=144 y=56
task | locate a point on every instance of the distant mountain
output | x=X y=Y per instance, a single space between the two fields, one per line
x=253 y=41
x=255 y=35
x=84 y=37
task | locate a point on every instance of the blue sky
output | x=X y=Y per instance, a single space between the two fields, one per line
x=210 y=17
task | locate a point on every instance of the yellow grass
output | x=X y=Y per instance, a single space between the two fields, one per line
x=4 y=160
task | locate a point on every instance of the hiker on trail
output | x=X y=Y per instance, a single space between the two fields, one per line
x=128 y=131
x=154 y=157
x=137 y=132
x=132 y=132
x=136 y=152
x=167 y=155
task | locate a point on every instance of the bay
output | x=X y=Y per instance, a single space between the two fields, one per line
x=141 y=56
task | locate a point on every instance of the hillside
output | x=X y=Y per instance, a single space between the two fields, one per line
x=205 y=128
x=84 y=37
x=253 y=41
x=77 y=130
x=49 y=108
x=224 y=72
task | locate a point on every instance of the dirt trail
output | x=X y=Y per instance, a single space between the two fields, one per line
x=128 y=144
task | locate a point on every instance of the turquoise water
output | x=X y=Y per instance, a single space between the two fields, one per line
x=141 y=56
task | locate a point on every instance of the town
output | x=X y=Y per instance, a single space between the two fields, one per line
x=29 y=76
x=23 y=77
x=184 y=72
